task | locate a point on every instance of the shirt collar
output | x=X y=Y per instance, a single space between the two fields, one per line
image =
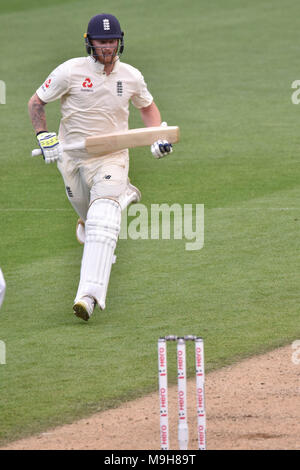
x=98 y=67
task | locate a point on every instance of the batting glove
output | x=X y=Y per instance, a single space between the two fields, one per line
x=50 y=146
x=161 y=148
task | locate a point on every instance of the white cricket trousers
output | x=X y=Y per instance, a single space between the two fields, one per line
x=87 y=179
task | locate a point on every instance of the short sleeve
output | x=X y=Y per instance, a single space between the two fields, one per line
x=142 y=98
x=56 y=85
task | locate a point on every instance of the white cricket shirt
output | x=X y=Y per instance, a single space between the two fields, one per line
x=91 y=101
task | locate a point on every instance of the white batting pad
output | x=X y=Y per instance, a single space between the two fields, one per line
x=102 y=229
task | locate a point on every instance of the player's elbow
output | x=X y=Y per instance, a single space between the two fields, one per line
x=35 y=100
x=150 y=108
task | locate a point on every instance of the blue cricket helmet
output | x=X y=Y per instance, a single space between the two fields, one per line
x=104 y=26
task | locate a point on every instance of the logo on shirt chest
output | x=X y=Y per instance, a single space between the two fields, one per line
x=87 y=85
x=119 y=88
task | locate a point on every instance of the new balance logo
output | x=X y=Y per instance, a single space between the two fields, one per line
x=106 y=25
x=69 y=191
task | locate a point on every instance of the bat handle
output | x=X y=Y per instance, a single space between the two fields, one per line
x=76 y=146
x=36 y=152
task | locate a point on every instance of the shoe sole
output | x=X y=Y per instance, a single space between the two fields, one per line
x=80 y=311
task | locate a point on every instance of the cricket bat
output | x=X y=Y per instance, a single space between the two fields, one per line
x=99 y=145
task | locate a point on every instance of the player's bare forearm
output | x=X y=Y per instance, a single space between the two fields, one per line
x=36 y=109
x=151 y=115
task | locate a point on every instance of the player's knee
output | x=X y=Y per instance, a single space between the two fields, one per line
x=103 y=220
x=108 y=187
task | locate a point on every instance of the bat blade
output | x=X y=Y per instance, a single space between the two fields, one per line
x=109 y=143
x=105 y=144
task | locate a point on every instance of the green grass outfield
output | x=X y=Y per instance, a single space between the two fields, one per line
x=222 y=71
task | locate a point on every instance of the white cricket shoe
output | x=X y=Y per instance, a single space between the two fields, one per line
x=84 y=307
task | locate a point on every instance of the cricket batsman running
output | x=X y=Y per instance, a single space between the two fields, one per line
x=95 y=93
